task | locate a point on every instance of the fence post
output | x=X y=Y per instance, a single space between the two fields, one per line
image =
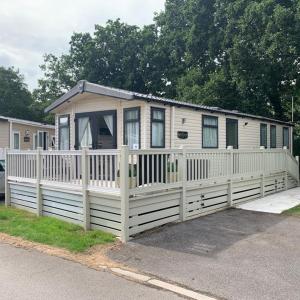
x=297 y=159
x=124 y=192
x=286 y=167
x=85 y=198
x=262 y=175
x=231 y=171
x=7 y=189
x=39 y=200
x=182 y=166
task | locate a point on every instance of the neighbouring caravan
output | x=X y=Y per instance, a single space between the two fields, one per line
x=19 y=134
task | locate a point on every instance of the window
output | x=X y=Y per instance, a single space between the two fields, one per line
x=157 y=127
x=16 y=140
x=132 y=127
x=272 y=136
x=43 y=140
x=263 y=135
x=35 y=141
x=64 y=132
x=209 y=132
x=232 y=133
x=286 y=137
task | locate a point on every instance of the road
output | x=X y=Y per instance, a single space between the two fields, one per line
x=233 y=254
x=28 y=274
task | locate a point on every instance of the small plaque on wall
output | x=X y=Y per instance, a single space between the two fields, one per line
x=183 y=135
x=26 y=139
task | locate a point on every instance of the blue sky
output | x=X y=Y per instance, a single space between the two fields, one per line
x=30 y=28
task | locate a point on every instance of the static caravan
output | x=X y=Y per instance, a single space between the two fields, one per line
x=101 y=117
x=127 y=162
x=20 y=134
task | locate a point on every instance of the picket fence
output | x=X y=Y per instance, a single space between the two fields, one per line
x=127 y=192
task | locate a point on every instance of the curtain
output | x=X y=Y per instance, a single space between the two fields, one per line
x=132 y=135
x=210 y=137
x=84 y=132
x=157 y=134
x=64 y=138
x=109 y=121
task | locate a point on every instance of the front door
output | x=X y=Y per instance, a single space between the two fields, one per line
x=232 y=133
x=96 y=130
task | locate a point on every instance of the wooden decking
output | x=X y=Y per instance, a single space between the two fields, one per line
x=127 y=192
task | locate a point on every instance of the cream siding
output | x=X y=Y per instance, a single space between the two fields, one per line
x=248 y=128
x=22 y=128
x=93 y=103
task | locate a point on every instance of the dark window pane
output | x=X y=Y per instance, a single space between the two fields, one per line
x=263 y=135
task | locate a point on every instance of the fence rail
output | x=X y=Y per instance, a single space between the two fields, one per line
x=147 y=169
x=128 y=191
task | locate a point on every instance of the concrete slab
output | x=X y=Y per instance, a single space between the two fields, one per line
x=276 y=203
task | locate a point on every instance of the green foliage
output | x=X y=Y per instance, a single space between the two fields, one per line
x=235 y=54
x=295 y=211
x=15 y=99
x=50 y=231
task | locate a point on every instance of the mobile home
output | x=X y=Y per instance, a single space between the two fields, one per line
x=126 y=162
x=20 y=134
x=101 y=117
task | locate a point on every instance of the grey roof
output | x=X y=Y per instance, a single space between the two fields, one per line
x=84 y=86
x=27 y=122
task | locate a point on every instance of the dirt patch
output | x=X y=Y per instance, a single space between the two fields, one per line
x=95 y=257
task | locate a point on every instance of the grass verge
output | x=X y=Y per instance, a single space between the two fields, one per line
x=295 y=211
x=50 y=231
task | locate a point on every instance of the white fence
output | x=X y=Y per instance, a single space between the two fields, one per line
x=130 y=191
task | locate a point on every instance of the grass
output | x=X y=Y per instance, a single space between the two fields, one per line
x=295 y=211
x=50 y=231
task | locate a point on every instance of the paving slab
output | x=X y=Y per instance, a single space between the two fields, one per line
x=276 y=203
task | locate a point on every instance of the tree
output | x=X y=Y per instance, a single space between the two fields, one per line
x=15 y=99
x=235 y=54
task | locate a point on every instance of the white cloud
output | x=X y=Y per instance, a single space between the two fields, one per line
x=31 y=28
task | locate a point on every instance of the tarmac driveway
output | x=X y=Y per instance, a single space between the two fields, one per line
x=234 y=254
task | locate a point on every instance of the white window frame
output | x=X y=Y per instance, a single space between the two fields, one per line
x=13 y=139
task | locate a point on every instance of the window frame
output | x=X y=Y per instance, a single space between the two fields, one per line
x=228 y=120
x=288 y=136
x=13 y=139
x=163 y=110
x=64 y=126
x=210 y=126
x=274 y=144
x=125 y=110
x=260 y=131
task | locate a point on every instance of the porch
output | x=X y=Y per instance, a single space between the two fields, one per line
x=130 y=191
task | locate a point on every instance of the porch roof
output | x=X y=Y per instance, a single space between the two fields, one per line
x=84 y=86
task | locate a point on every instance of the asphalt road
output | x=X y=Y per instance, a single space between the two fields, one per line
x=234 y=254
x=28 y=274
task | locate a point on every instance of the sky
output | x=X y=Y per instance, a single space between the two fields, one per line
x=31 y=28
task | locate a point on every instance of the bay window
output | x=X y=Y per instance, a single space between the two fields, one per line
x=132 y=127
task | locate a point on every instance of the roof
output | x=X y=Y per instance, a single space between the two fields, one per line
x=84 y=86
x=27 y=122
